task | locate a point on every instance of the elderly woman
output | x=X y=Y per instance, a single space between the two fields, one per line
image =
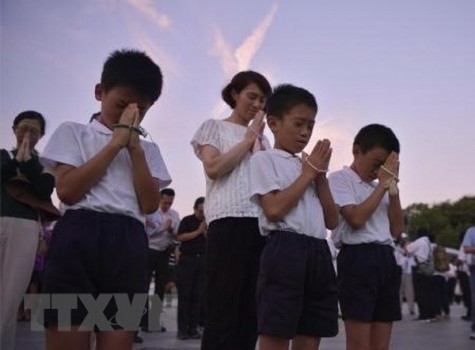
x=20 y=226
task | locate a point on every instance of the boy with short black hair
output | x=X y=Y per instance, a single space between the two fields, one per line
x=368 y=276
x=108 y=179
x=296 y=294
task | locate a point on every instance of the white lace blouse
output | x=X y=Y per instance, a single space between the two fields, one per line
x=227 y=196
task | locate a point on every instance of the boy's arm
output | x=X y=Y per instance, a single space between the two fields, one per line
x=147 y=188
x=330 y=210
x=72 y=183
x=186 y=235
x=356 y=215
x=396 y=217
x=277 y=204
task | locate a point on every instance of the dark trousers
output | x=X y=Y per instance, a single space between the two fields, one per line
x=234 y=247
x=441 y=295
x=190 y=286
x=464 y=282
x=158 y=266
x=424 y=287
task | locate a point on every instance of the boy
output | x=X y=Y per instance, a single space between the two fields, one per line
x=108 y=180
x=296 y=293
x=368 y=276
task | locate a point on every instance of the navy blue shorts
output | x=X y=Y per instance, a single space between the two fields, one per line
x=95 y=253
x=297 y=291
x=368 y=283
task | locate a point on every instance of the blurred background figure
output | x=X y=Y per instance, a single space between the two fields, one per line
x=23 y=177
x=406 y=262
x=191 y=271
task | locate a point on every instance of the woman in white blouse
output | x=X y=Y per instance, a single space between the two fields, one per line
x=234 y=243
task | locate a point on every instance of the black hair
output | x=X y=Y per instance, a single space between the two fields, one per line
x=198 y=201
x=287 y=96
x=133 y=69
x=376 y=135
x=240 y=81
x=31 y=115
x=422 y=232
x=168 y=192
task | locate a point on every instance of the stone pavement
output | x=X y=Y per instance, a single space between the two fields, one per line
x=451 y=334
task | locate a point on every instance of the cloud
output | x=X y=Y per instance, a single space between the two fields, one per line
x=147 y=8
x=240 y=59
x=246 y=51
x=163 y=59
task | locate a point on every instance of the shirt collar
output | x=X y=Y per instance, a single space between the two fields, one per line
x=357 y=178
x=283 y=153
x=99 y=127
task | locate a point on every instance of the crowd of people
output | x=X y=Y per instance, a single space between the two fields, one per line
x=434 y=288
x=253 y=261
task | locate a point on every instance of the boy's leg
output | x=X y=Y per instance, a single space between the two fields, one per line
x=303 y=342
x=71 y=340
x=357 y=335
x=267 y=342
x=380 y=335
x=115 y=340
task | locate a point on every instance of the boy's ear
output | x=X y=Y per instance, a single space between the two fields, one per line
x=98 y=90
x=271 y=122
x=356 y=150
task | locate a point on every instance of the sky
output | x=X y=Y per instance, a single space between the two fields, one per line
x=407 y=64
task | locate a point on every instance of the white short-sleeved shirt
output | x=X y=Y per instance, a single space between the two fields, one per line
x=273 y=170
x=74 y=144
x=349 y=189
x=161 y=240
x=420 y=249
x=469 y=241
x=227 y=196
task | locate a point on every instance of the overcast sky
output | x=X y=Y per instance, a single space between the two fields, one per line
x=408 y=64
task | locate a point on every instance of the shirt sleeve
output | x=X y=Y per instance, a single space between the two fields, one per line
x=343 y=193
x=262 y=176
x=207 y=134
x=62 y=147
x=469 y=238
x=156 y=164
x=413 y=247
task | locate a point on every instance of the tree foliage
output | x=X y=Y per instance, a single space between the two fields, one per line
x=446 y=221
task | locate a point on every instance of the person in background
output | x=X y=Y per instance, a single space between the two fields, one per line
x=468 y=245
x=406 y=262
x=20 y=227
x=234 y=244
x=170 y=285
x=463 y=278
x=191 y=271
x=161 y=228
x=424 y=287
x=442 y=267
x=36 y=280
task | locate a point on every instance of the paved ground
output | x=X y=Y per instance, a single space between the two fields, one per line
x=451 y=334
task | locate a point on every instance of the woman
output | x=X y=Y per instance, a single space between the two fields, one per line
x=234 y=243
x=20 y=225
